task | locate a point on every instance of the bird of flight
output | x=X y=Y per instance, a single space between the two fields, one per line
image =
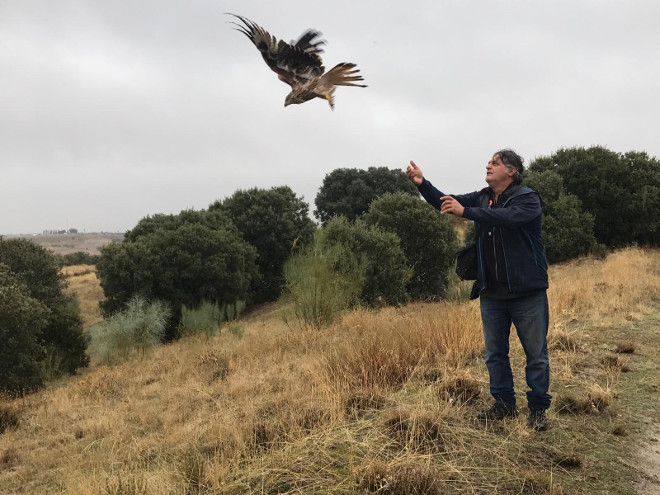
x=299 y=64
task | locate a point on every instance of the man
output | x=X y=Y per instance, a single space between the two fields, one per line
x=512 y=278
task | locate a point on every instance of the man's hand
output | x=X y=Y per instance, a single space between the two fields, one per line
x=414 y=173
x=450 y=205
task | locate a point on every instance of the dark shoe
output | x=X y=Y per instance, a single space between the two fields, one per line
x=537 y=420
x=499 y=410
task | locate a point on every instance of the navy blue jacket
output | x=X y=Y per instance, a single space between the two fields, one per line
x=518 y=225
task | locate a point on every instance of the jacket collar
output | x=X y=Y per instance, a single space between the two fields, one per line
x=506 y=194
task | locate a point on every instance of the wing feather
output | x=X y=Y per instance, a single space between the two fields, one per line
x=295 y=63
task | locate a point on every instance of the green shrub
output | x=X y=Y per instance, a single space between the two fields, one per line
x=348 y=192
x=275 y=222
x=22 y=320
x=136 y=329
x=567 y=230
x=39 y=271
x=322 y=282
x=78 y=258
x=621 y=191
x=182 y=259
x=428 y=240
x=207 y=318
x=386 y=269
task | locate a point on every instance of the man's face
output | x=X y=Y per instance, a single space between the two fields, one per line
x=496 y=171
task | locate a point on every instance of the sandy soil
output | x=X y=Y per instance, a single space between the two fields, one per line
x=649 y=463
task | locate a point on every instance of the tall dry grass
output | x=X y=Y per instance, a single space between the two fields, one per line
x=379 y=402
x=82 y=282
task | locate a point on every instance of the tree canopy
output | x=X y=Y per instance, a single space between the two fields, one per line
x=620 y=190
x=275 y=222
x=182 y=259
x=568 y=230
x=350 y=191
x=428 y=240
x=39 y=271
x=22 y=321
x=386 y=267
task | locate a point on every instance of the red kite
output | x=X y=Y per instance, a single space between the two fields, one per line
x=299 y=64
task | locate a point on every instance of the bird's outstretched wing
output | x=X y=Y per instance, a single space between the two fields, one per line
x=295 y=63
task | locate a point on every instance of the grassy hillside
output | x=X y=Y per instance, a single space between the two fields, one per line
x=382 y=402
x=82 y=281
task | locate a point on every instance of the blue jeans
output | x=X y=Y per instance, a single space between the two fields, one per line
x=529 y=314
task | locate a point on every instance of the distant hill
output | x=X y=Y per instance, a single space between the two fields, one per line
x=72 y=243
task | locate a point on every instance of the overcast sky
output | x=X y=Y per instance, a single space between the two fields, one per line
x=114 y=110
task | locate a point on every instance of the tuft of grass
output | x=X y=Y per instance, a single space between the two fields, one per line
x=432 y=375
x=625 y=347
x=129 y=485
x=214 y=362
x=596 y=400
x=614 y=363
x=193 y=471
x=417 y=431
x=10 y=457
x=202 y=320
x=569 y=461
x=619 y=431
x=460 y=390
x=414 y=476
x=8 y=418
x=207 y=318
x=562 y=341
x=362 y=402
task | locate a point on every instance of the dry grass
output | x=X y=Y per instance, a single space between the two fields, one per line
x=82 y=282
x=381 y=402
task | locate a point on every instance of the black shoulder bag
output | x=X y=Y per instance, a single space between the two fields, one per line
x=466 y=262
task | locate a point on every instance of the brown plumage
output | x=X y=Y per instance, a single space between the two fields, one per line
x=299 y=64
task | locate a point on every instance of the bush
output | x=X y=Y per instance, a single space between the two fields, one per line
x=207 y=318
x=136 y=329
x=276 y=223
x=39 y=270
x=386 y=271
x=182 y=260
x=620 y=190
x=568 y=230
x=78 y=258
x=322 y=282
x=428 y=240
x=22 y=320
x=348 y=192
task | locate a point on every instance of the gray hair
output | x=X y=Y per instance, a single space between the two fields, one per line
x=511 y=159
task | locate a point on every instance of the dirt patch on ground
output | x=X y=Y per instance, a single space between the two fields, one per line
x=649 y=463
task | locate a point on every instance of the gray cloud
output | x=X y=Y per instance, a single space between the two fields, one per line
x=111 y=111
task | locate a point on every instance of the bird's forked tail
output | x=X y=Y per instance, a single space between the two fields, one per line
x=343 y=74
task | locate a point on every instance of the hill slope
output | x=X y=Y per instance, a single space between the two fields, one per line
x=382 y=402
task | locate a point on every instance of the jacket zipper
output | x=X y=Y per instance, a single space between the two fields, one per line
x=497 y=275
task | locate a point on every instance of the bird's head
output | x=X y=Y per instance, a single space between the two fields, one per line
x=293 y=99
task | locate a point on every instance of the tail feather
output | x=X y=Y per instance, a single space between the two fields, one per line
x=343 y=74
